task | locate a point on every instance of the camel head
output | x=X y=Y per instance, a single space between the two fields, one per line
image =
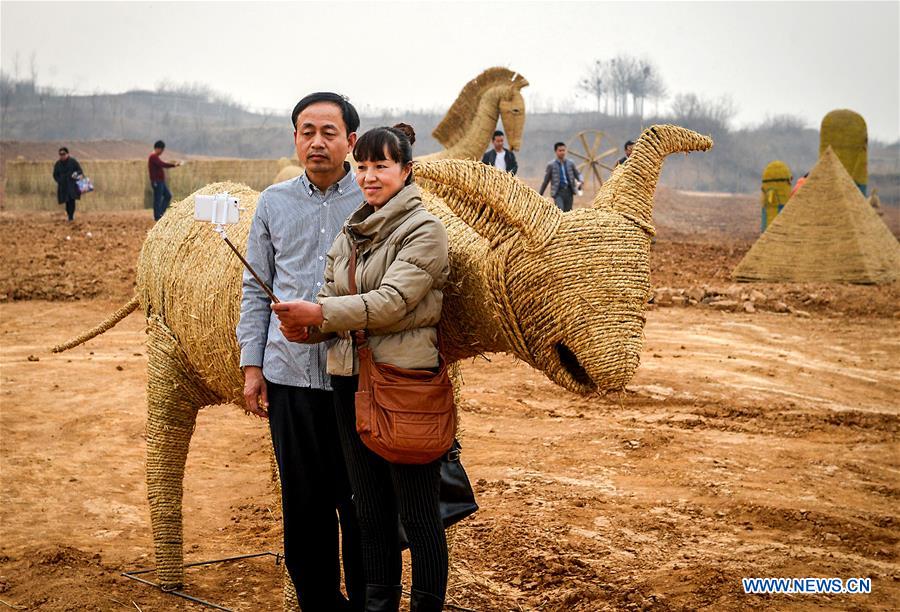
x=565 y=291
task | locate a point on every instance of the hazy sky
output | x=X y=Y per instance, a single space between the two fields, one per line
x=802 y=58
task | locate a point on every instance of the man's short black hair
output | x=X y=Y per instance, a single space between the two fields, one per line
x=351 y=117
x=63 y=150
x=497 y=133
x=558 y=145
x=629 y=143
x=159 y=144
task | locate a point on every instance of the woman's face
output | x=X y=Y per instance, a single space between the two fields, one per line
x=381 y=180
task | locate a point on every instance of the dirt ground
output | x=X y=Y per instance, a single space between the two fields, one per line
x=748 y=444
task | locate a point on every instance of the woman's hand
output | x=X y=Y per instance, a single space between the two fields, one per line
x=298 y=313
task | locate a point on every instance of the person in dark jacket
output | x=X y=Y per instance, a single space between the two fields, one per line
x=161 y=194
x=499 y=156
x=629 y=147
x=66 y=172
x=563 y=177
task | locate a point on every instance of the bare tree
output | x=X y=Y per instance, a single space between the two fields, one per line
x=594 y=82
x=705 y=115
x=644 y=82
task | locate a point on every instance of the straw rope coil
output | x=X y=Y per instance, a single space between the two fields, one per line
x=828 y=232
x=113 y=319
x=846 y=133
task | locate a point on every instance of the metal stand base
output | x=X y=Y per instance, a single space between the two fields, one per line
x=134 y=575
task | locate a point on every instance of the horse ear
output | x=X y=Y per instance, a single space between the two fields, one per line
x=493 y=203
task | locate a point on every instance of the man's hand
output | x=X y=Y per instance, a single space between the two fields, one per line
x=295 y=334
x=255 y=394
x=298 y=313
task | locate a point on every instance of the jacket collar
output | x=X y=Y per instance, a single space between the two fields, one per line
x=367 y=225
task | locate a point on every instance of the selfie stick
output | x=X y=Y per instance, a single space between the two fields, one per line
x=219 y=215
x=221 y=230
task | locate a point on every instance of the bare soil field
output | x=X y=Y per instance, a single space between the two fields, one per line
x=756 y=443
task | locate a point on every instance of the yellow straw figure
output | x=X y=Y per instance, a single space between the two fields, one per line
x=776 y=189
x=846 y=133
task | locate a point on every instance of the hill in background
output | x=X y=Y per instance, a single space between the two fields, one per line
x=202 y=123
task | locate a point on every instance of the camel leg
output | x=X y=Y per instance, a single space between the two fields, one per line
x=173 y=399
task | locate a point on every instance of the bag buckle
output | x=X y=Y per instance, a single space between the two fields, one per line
x=453 y=454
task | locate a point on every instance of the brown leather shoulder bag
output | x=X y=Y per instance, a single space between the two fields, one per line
x=402 y=415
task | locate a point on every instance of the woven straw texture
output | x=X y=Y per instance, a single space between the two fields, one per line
x=467 y=128
x=563 y=292
x=828 y=232
x=846 y=133
x=287 y=172
x=776 y=188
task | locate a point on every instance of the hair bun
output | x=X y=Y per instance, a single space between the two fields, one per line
x=408 y=130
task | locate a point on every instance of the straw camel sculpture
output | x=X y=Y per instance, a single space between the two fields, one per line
x=564 y=292
x=467 y=128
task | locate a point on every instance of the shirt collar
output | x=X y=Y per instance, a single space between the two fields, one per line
x=342 y=186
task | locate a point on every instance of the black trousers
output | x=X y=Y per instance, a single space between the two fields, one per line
x=70 y=209
x=313 y=485
x=382 y=490
x=564 y=198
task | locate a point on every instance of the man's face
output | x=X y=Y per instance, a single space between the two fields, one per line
x=561 y=153
x=158 y=150
x=498 y=143
x=628 y=150
x=321 y=137
x=63 y=155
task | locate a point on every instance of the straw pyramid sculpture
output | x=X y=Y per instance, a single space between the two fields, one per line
x=827 y=232
x=565 y=292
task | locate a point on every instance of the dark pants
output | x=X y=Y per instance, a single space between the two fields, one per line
x=161 y=198
x=70 y=209
x=313 y=484
x=381 y=490
x=563 y=198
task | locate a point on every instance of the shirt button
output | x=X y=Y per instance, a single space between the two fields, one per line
x=318 y=284
x=321 y=258
x=322 y=230
x=324 y=203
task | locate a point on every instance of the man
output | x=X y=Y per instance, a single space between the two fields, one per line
x=161 y=194
x=295 y=223
x=66 y=172
x=563 y=178
x=629 y=147
x=499 y=156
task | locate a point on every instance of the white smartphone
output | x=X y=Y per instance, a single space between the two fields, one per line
x=221 y=209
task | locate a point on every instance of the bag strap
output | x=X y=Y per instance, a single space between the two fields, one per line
x=359 y=334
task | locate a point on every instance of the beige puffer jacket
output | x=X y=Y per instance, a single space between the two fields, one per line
x=401 y=270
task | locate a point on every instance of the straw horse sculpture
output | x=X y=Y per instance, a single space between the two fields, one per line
x=564 y=292
x=469 y=125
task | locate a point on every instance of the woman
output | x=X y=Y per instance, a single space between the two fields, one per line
x=402 y=266
x=66 y=172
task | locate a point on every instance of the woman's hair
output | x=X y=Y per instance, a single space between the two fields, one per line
x=396 y=142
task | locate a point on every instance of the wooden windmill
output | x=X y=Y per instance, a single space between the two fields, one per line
x=592 y=160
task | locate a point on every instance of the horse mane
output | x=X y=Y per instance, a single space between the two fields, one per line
x=453 y=126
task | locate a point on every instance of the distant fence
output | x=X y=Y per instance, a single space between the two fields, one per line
x=125 y=184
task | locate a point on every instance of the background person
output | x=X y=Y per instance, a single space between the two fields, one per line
x=401 y=272
x=161 y=194
x=563 y=178
x=499 y=156
x=295 y=223
x=66 y=172
x=629 y=147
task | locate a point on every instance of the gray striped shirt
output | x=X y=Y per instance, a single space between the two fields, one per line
x=292 y=230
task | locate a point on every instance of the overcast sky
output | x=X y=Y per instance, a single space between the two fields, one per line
x=801 y=58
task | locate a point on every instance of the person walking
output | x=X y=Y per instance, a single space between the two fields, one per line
x=499 y=156
x=293 y=227
x=161 y=194
x=563 y=178
x=66 y=172
x=401 y=269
